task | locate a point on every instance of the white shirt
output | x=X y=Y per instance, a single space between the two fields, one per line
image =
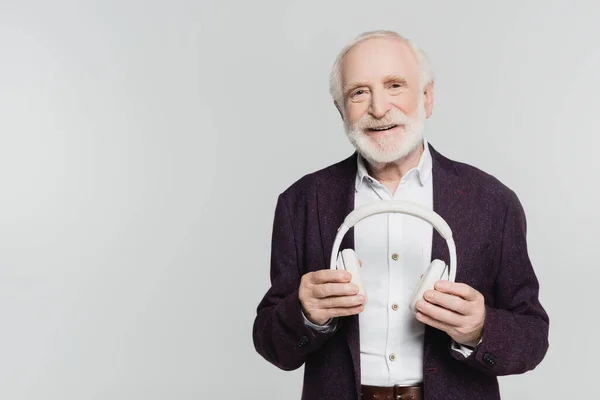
x=395 y=249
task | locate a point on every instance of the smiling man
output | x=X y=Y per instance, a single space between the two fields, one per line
x=464 y=334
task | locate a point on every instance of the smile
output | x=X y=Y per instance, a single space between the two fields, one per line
x=383 y=128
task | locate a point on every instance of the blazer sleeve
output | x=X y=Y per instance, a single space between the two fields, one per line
x=515 y=332
x=280 y=333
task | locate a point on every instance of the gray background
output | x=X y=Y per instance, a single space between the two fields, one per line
x=143 y=145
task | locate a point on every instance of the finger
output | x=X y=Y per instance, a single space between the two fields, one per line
x=433 y=322
x=360 y=262
x=440 y=314
x=344 y=311
x=330 y=275
x=341 y=302
x=458 y=289
x=324 y=290
x=448 y=301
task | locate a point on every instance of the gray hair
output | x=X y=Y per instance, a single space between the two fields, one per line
x=425 y=71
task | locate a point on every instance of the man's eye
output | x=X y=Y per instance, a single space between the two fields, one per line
x=358 y=93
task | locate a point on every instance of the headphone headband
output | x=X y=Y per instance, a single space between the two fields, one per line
x=397 y=207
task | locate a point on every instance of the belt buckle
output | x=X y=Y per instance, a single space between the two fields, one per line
x=399 y=396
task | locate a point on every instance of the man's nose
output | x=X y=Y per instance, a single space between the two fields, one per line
x=379 y=105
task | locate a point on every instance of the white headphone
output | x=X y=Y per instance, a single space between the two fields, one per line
x=437 y=268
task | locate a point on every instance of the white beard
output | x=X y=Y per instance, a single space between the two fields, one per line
x=388 y=148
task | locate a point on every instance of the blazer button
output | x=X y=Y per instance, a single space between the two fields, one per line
x=489 y=359
x=303 y=341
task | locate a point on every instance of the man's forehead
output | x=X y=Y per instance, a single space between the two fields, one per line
x=379 y=55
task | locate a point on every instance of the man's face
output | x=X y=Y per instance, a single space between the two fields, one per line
x=384 y=106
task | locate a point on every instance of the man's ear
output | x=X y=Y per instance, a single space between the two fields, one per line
x=339 y=109
x=428 y=98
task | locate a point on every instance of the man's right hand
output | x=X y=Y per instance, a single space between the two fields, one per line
x=327 y=294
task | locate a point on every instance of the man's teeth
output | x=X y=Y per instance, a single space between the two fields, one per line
x=383 y=128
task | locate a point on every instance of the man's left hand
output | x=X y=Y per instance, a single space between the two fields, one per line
x=455 y=308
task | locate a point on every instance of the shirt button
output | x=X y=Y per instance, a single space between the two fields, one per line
x=395 y=256
x=392 y=357
x=395 y=307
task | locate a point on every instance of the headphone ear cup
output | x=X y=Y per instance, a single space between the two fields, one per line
x=350 y=264
x=433 y=274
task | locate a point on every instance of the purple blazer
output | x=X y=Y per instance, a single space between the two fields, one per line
x=489 y=228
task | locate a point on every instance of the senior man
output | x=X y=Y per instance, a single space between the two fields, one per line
x=464 y=334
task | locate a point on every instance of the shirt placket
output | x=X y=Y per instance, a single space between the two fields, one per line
x=395 y=291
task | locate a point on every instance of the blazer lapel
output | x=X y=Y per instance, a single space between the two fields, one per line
x=446 y=202
x=449 y=202
x=335 y=200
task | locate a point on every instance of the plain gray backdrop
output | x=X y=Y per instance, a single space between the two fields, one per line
x=143 y=145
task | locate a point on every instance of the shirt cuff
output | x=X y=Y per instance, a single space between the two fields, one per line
x=466 y=351
x=329 y=326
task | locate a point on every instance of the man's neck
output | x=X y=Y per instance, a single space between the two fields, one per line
x=390 y=174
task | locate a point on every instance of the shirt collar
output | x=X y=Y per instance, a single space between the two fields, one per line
x=422 y=172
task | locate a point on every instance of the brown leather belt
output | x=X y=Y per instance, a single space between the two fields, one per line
x=391 y=393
